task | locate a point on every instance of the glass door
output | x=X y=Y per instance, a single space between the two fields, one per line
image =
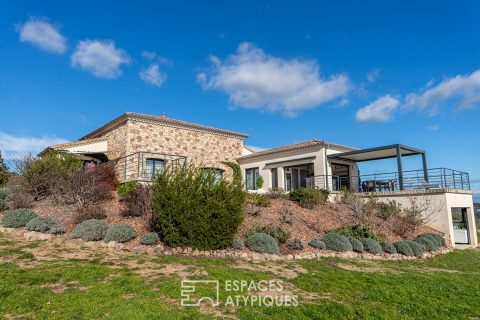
x=460 y=225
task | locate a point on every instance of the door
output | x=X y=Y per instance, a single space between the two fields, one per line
x=460 y=226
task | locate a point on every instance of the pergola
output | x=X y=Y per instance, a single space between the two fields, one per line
x=386 y=152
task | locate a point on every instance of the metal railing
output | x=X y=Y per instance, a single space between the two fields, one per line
x=134 y=166
x=437 y=178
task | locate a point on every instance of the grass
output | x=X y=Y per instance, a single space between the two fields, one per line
x=146 y=287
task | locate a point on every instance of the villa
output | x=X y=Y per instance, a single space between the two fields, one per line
x=139 y=145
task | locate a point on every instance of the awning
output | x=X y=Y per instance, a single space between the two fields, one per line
x=377 y=153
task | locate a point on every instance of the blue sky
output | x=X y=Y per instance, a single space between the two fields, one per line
x=364 y=73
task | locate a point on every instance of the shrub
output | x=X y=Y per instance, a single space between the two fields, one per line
x=296 y=244
x=357 y=245
x=126 y=188
x=417 y=248
x=389 y=248
x=90 y=230
x=286 y=214
x=149 y=239
x=263 y=243
x=309 y=198
x=430 y=245
x=317 y=244
x=40 y=224
x=389 y=209
x=3 y=204
x=196 y=210
x=4 y=193
x=404 y=248
x=56 y=229
x=259 y=182
x=237 y=243
x=138 y=201
x=356 y=231
x=17 y=218
x=276 y=193
x=436 y=238
x=260 y=200
x=90 y=212
x=120 y=233
x=20 y=199
x=252 y=209
x=372 y=246
x=3 y=172
x=337 y=242
x=280 y=234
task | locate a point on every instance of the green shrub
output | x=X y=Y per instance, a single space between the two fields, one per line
x=317 y=244
x=430 y=245
x=90 y=230
x=149 y=239
x=4 y=193
x=417 y=248
x=259 y=182
x=309 y=198
x=356 y=231
x=263 y=243
x=40 y=224
x=260 y=200
x=389 y=248
x=3 y=204
x=17 y=218
x=436 y=238
x=296 y=244
x=127 y=188
x=90 y=212
x=337 y=242
x=281 y=234
x=372 y=246
x=277 y=193
x=121 y=232
x=357 y=245
x=389 y=210
x=196 y=210
x=404 y=248
x=3 y=171
x=56 y=229
x=237 y=243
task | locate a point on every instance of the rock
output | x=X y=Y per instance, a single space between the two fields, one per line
x=119 y=246
x=150 y=250
x=159 y=249
x=137 y=250
x=196 y=253
x=168 y=252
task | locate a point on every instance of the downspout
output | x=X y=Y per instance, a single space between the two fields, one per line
x=326 y=166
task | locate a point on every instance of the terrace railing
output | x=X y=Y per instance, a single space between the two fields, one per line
x=135 y=167
x=437 y=178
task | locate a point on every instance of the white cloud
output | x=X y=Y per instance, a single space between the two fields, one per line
x=463 y=90
x=14 y=147
x=42 y=34
x=434 y=127
x=100 y=58
x=373 y=75
x=153 y=76
x=256 y=80
x=149 y=55
x=379 y=111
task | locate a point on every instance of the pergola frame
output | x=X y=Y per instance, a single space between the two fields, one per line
x=386 y=152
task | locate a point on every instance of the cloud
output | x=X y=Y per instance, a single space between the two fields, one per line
x=42 y=34
x=434 y=127
x=379 y=111
x=14 y=147
x=153 y=76
x=256 y=80
x=373 y=75
x=100 y=58
x=462 y=90
x=149 y=55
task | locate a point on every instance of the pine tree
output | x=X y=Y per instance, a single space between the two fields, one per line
x=3 y=172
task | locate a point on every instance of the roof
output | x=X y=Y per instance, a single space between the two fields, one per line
x=296 y=146
x=376 y=153
x=159 y=119
x=63 y=146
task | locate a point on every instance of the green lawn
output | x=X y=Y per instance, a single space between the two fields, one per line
x=44 y=281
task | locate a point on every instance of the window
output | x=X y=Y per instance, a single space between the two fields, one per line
x=154 y=166
x=251 y=176
x=217 y=173
x=274 y=172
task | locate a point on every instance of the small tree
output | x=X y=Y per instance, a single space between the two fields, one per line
x=259 y=182
x=3 y=171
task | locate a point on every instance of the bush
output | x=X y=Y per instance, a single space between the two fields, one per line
x=286 y=214
x=252 y=209
x=259 y=182
x=389 y=209
x=389 y=248
x=372 y=246
x=357 y=245
x=435 y=238
x=3 y=172
x=337 y=242
x=263 y=243
x=138 y=201
x=196 y=210
x=280 y=234
x=276 y=193
x=20 y=199
x=56 y=229
x=90 y=230
x=17 y=218
x=3 y=204
x=40 y=224
x=237 y=243
x=149 y=239
x=309 y=198
x=4 y=193
x=126 y=188
x=417 y=248
x=90 y=212
x=317 y=244
x=356 y=231
x=430 y=245
x=296 y=244
x=404 y=248
x=120 y=233
x=260 y=200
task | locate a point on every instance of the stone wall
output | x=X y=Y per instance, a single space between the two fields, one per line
x=117 y=141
